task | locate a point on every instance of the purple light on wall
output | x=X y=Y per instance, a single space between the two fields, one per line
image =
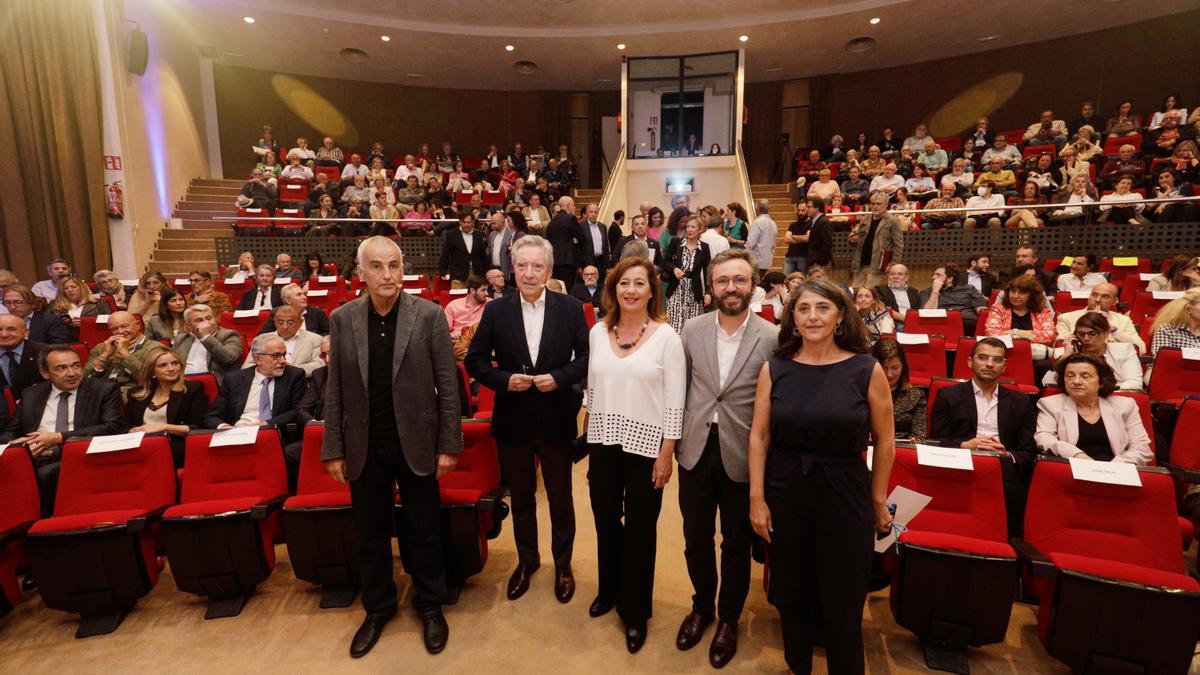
x=150 y=91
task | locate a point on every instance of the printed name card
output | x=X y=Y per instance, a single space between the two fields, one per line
x=1125 y=262
x=244 y=313
x=947 y=458
x=912 y=338
x=908 y=504
x=1113 y=473
x=117 y=442
x=129 y=282
x=283 y=281
x=327 y=279
x=102 y=319
x=413 y=291
x=317 y=294
x=1006 y=339
x=458 y=291
x=1147 y=276
x=1081 y=295
x=235 y=436
x=1191 y=353
x=1166 y=295
x=183 y=282
x=931 y=313
x=411 y=277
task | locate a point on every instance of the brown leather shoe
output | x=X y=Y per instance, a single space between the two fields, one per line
x=518 y=583
x=564 y=584
x=692 y=629
x=724 y=644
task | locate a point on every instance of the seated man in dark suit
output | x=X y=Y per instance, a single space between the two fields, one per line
x=42 y=325
x=268 y=393
x=464 y=253
x=313 y=403
x=897 y=295
x=67 y=406
x=982 y=415
x=588 y=289
x=638 y=229
x=315 y=319
x=497 y=286
x=265 y=294
x=18 y=356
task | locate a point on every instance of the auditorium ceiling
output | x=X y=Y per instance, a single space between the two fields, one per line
x=574 y=43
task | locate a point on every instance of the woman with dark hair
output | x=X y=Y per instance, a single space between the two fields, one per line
x=637 y=381
x=812 y=498
x=908 y=402
x=1172 y=107
x=1091 y=338
x=168 y=322
x=736 y=225
x=672 y=231
x=874 y=313
x=1022 y=313
x=685 y=267
x=1087 y=421
x=1126 y=122
x=1183 y=273
x=654 y=223
x=520 y=226
x=314 y=265
x=163 y=400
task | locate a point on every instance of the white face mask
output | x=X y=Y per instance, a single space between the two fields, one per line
x=983 y=192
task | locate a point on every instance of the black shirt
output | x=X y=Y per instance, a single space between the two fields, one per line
x=868 y=242
x=800 y=227
x=820 y=242
x=381 y=344
x=1093 y=440
x=1022 y=321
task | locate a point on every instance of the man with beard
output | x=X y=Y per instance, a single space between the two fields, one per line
x=724 y=355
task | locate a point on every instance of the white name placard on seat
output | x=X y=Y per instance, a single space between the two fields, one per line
x=1113 y=473
x=931 y=313
x=1081 y=295
x=102 y=319
x=908 y=505
x=284 y=281
x=1191 y=353
x=318 y=294
x=235 y=436
x=947 y=458
x=129 y=282
x=117 y=442
x=411 y=277
x=1166 y=295
x=183 y=282
x=912 y=338
x=458 y=291
x=413 y=291
x=244 y=313
x=327 y=279
x=1147 y=276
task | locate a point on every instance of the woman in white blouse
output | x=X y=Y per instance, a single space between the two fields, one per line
x=637 y=379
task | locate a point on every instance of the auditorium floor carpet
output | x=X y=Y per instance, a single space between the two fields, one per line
x=282 y=630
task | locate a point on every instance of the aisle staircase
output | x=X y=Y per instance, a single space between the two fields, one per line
x=179 y=251
x=782 y=212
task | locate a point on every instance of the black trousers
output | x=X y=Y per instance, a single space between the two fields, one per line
x=45 y=468
x=1014 y=496
x=702 y=490
x=519 y=473
x=626 y=506
x=820 y=555
x=374 y=506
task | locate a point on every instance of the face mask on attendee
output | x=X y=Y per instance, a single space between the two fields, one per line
x=983 y=192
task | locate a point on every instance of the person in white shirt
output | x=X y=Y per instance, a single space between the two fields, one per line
x=1046 y=131
x=763 y=233
x=295 y=170
x=303 y=348
x=959 y=177
x=47 y=289
x=888 y=181
x=410 y=168
x=1080 y=279
x=1072 y=212
x=7 y=278
x=717 y=242
x=1008 y=153
x=307 y=156
x=916 y=142
x=355 y=168
x=1102 y=300
x=1122 y=194
x=988 y=207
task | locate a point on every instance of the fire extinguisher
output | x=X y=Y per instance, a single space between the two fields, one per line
x=114 y=200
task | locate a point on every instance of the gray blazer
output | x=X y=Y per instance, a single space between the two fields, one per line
x=425 y=386
x=224 y=350
x=306 y=355
x=733 y=403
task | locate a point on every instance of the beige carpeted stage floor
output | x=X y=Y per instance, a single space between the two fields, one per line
x=282 y=630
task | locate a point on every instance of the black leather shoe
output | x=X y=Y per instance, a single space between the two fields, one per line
x=518 y=583
x=435 y=631
x=368 y=634
x=600 y=607
x=564 y=584
x=635 y=637
x=724 y=644
x=692 y=629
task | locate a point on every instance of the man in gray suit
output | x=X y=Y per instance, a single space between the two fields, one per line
x=499 y=243
x=206 y=347
x=392 y=418
x=725 y=353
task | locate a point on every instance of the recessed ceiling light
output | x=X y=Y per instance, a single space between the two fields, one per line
x=509 y=48
x=604 y=79
x=621 y=46
x=248 y=19
x=415 y=74
x=874 y=20
x=989 y=38
x=774 y=70
x=385 y=38
x=744 y=38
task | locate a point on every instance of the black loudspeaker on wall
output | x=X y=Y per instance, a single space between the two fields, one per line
x=139 y=52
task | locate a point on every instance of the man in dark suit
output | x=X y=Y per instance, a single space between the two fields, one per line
x=315 y=319
x=68 y=406
x=392 y=417
x=638 y=233
x=539 y=341
x=897 y=295
x=42 y=325
x=497 y=286
x=265 y=294
x=464 y=252
x=977 y=273
x=982 y=415
x=565 y=235
x=590 y=289
x=313 y=403
x=18 y=356
x=594 y=241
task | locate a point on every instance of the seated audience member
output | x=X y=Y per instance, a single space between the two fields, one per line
x=889 y=145
x=295 y=170
x=1171 y=110
x=352 y=215
x=1046 y=131
x=1163 y=141
x=47 y=289
x=1176 y=212
x=108 y=285
x=7 y=278
x=1086 y=421
x=589 y=290
x=920 y=187
x=410 y=169
x=1023 y=314
x=982 y=415
x=1074 y=209
x=1125 y=123
x=377 y=171
x=313 y=267
x=206 y=347
x=979 y=139
x=265 y=294
x=1125 y=164
x=949 y=292
x=536 y=215
x=312 y=319
x=834 y=152
x=69 y=405
x=463 y=314
x=959 y=177
x=497 y=284
x=285 y=270
x=458 y=180
x=887 y=182
x=266 y=144
x=855 y=188
x=1080 y=278
x=270 y=166
x=1183 y=273
x=411 y=193
x=1087 y=117
x=1026 y=261
x=1187 y=165
x=932 y=157
x=145 y=299
x=42 y=325
x=355 y=169
x=1177 y=323
x=383 y=213
x=313 y=403
x=1111 y=212
x=322 y=188
x=1009 y=155
x=203 y=293
x=900 y=203
x=850 y=162
x=1002 y=179
x=934 y=219
x=897 y=295
x=988 y=206
x=873 y=165
x=243 y=270
x=327 y=214
x=978 y=275
x=1103 y=300
x=377 y=153
x=380 y=185
x=168 y=322
x=18 y=356
x=1069 y=166
x=74 y=301
x=1091 y=338
x=119 y=358
x=908 y=402
x=824 y=187
x=1042 y=174
x=1030 y=216
x=1085 y=144
x=163 y=400
x=303 y=347
x=259 y=192
x=306 y=154
x=873 y=312
x=916 y=142
x=357 y=189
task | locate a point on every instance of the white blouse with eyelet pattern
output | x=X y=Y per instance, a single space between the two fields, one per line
x=636 y=401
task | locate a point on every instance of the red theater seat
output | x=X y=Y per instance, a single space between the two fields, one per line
x=93 y=330
x=1066 y=301
x=1146 y=304
x=288 y=228
x=248 y=325
x=234 y=289
x=1118 y=273
x=252 y=223
x=327 y=300
x=1174 y=377
x=1019 y=366
x=949 y=327
x=210 y=385
x=19 y=508
x=329 y=173
x=925 y=361
x=1184 y=458
x=97 y=555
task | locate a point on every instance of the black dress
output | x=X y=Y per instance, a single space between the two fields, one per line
x=819 y=492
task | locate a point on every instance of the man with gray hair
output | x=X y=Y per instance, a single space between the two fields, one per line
x=265 y=294
x=7 y=278
x=206 y=347
x=878 y=241
x=761 y=240
x=312 y=319
x=565 y=236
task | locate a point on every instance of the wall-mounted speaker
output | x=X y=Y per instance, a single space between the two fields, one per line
x=138 y=52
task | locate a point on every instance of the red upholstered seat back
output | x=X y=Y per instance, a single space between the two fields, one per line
x=246 y=325
x=935 y=385
x=1018 y=367
x=210 y=385
x=478 y=468
x=925 y=361
x=1065 y=301
x=967 y=503
x=232 y=471
x=1174 y=377
x=91 y=332
x=949 y=327
x=1132 y=525
x=1185 y=449
x=314 y=479
x=485 y=402
x=18 y=488
x=1144 y=305
x=138 y=478
x=1143 y=401
x=1118 y=273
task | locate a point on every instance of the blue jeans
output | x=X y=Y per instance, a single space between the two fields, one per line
x=794 y=263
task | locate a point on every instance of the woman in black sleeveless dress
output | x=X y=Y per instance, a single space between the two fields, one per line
x=811 y=496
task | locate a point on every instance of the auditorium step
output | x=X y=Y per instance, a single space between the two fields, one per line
x=179 y=251
x=782 y=212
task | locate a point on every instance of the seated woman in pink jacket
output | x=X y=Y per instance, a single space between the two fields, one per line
x=1015 y=315
x=1087 y=421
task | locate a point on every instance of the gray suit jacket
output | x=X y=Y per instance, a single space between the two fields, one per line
x=733 y=403
x=224 y=350
x=504 y=240
x=306 y=355
x=425 y=384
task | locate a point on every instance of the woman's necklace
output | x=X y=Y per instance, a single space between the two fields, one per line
x=631 y=345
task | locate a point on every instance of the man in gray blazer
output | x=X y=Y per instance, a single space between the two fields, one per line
x=303 y=347
x=392 y=418
x=499 y=243
x=725 y=352
x=206 y=347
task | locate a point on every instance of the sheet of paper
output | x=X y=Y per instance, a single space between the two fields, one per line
x=908 y=505
x=1066 y=262
x=327 y=279
x=947 y=458
x=1147 y=276
x=1125 y=262
x=1081 y=295
x=117 y=442
x=235 y=436
x=1113 y=473
x=183 y=282
x=102 y=319
x=413 y=291
x=870 y=458
x=317 y=294
x=1166 y=295
x=912 y=338
x=284 y=281
x=1191 y=353
x=931 y=313
x=410 y=277
x=244 y=313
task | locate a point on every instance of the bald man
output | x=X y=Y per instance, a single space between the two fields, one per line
x=1103 y=299
x=566 y=236
x=119 y=358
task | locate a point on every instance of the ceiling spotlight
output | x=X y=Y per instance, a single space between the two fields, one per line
x=385 y=38
x=744 y=38
x=621 y=46
x=248 y=19
x=774 y=70
x=989 y=38
x=874 y=20
x=509 y=48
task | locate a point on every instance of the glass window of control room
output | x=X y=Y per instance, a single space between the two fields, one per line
x=682 y=106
